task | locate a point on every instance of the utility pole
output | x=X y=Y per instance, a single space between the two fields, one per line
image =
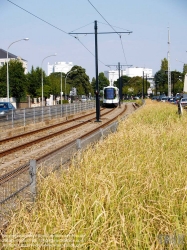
x=96 y=74
x=169 y=73
x=143 y=86
x=146 y=85
x=96 y=63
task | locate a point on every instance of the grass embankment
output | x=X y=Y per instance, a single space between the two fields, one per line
x=127 y=192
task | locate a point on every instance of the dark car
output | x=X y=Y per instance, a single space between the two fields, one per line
x=7 y=110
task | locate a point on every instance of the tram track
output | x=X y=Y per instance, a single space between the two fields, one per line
x=42 y=152
x=43 y=137
x=13 y=154
x=17 y=171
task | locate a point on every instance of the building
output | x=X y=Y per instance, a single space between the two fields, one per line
x=59 y=67
x=3 y=59
x=113 y=75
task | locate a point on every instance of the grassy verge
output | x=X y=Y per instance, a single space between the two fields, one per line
x=127 y=192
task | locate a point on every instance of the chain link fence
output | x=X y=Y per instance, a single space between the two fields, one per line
x=28 y=116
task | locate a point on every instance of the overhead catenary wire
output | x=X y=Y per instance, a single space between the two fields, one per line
x=90 y=51
x=78 y=39
x=82 y=27
x=104 y=18
x=112 y=28
x=38 y=17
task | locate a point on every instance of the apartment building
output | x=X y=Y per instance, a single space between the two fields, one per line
x=59 y=67
x=3 y=59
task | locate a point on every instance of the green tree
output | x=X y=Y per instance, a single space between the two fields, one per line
x=161 y=81
x=78 y=79
x=102 y=81
x=17 y=80
x=34 y=88
x=34 y=82
x=133 y=86
x=185 y=69
x=164 y=64
x=3 y=81
x=124 y=79
x=55 y=83
x=177 y=82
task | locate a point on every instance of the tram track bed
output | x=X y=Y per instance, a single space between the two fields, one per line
x=18 y=150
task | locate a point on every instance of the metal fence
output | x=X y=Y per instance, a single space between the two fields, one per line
x=27 y=116
x=23 y=184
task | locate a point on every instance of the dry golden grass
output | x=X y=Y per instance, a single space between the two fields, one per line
x=127 y=192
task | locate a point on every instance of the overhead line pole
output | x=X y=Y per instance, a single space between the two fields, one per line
x=169 y=72
x=96 y=62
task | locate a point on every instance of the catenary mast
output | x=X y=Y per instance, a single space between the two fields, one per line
x=169 y=72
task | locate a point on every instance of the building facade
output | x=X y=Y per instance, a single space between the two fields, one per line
x=3 y=59
x=113 y=75
x=59 y=67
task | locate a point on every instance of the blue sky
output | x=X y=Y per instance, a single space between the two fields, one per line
x=145 y=47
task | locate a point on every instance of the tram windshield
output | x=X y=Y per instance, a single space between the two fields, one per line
x=109 y=93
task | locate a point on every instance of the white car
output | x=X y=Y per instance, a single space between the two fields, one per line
x=184 y=102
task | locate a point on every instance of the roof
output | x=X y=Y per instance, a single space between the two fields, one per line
x=3 y=55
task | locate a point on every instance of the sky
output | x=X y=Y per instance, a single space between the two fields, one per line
x=47 y=24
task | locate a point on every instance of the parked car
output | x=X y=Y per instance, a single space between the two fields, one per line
x=164 y=99
x=7 y=109
x=83 y=98
x=172 y=100
x=184 y=102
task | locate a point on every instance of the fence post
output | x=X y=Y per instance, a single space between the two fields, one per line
x=24 y=117
x=101 y=131
x=78 y=143
x=116 y=125
x=32 y=172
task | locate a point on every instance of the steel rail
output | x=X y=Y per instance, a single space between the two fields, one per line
x=12 y=174
x=43 y=138
x=13 y=138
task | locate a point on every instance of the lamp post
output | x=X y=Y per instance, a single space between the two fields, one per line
x=61 y=84
x=26 y=39
x=42 y=75
x=61 y=88
x=65 y=79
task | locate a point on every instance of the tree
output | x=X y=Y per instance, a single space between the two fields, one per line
x=78 y=79
x=55 y=83
x=17 y=80
x=161 y=82
x=164 y=64
x=177 y=82
x=34 y=88
x=185 y=69
x=3 y=81
x=102 y=80
x=125 y=79
x=34 y=82
x=133 y=86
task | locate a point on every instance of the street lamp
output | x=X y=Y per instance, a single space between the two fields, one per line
x=61 y=87
x=26 y=39
x=65 y=79
x=61 y=84
x=42 y=75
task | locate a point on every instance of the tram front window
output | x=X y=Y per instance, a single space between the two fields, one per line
x=109 y=93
